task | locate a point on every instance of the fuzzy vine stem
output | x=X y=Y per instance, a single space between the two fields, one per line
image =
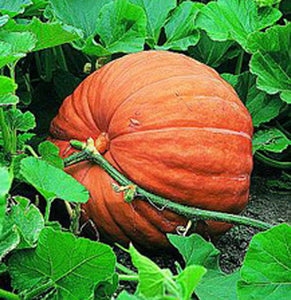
x=89 y=152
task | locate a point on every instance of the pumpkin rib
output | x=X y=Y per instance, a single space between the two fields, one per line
x=212 y=129
x=153 y=83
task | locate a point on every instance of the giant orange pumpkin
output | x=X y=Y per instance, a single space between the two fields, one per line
x=170 y=124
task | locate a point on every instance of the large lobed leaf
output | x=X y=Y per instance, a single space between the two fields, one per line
x=235 y=19
x=72 y=265
x=13 y=7
x=266 y=271
x=271 y=60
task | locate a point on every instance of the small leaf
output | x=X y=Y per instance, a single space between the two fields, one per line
x=7 y=85
x=28 y=220
x=124 y=295
x=47 y=34
x=180 y=29
x=80 y=14
x=188 y=279
x=20 y=121
x=157 y=12
x=213 y=53
x=266 y=271
x=235 y=19
x=50 y=153
x=271 y=139
x=8 y=99
x=122 y=27
x=9 y=238
x=271 y=60
x=13 y=7
x=151 y=277
x=52 y=182
x=3 y=20
x=73 y=265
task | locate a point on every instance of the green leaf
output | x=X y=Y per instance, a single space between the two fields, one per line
x=28 y=220
x=105 y=289
x=47 y=34
x=261 y=106
x=20 y=121
x=7 y=85
x=156 y=12
x=9 y=238
x=235 y=19
x=13 y=7
x=266 y=271
x=271 y=139
x=196 y=251
x=151 y=277
x=80 y=14
x=271 y=61
x=52 y=182
x=124 y=295
x=262 y=3
x=180 y=29
x=8 y=99
x=213 y=53
x=3 y=20
x=3 y=268
x=72 y=265
x=21 y=42
x=122 y=27
x=50 y=153
x=188 y=280
x=5 y=184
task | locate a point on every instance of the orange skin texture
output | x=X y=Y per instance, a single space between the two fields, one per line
x=170 y=124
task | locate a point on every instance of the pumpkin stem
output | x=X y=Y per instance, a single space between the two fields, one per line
x=90 y=153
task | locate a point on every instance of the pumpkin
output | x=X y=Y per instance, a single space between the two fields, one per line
x=170 y=124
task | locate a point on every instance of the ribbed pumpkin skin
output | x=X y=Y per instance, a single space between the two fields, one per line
x=175 y=128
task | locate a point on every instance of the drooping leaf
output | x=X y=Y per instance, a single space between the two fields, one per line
x=50 y=153
x=266 y=271
x=235 y=19
x=262 y=3
x=271 y=60
x=20 y=121
x=73 y=265
x=180 y=29
x=80 y=14
x=13 y=7
x=261 y=106
x=271 y=139
x=28 y=220
x=196 y=251
x=213 y=53
x=47 y=34
x=122 y=27
x=52 y=182
x=156 y=13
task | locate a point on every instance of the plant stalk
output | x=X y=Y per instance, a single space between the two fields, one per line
x=124 y=269
x=128 y=277
x=192 y=213
x=239 y=63
x=8 y=295
x=284 y=165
